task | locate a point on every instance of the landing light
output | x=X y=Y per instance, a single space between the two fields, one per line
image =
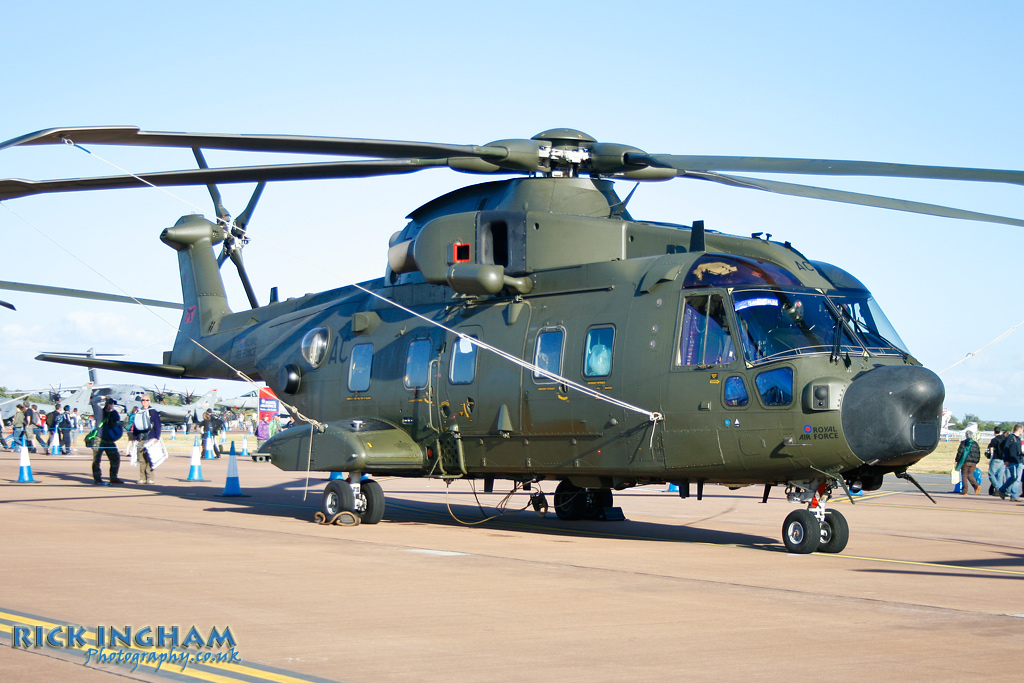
x=314 y=346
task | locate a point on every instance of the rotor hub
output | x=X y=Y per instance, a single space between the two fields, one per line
x=567 y=151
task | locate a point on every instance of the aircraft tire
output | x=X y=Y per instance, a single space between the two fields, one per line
x=373 y=494
x=570 y=501
x=595 y=501
x=835 y=533
x=337 y=498
x=801 y=532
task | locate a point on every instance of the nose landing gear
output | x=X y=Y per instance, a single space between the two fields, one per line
x=806 y=531
x=361 y=500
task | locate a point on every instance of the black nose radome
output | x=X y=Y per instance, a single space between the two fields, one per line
x=893 y=412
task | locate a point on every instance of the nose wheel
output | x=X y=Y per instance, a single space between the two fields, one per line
x=814 y=529
x=364 y=500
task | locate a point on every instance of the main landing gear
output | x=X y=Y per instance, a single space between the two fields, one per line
x=573 y=502
x=806 y=531
x=361 y=502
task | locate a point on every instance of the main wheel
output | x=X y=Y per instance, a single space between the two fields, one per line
x=595 y=501
x=373 y=501
x=801 y=532
x=337 y=498
x=570 y=500
x=835 y=533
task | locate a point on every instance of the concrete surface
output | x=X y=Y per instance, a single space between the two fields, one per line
x=682 y=589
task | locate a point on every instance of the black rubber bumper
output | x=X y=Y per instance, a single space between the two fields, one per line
x=892 y=413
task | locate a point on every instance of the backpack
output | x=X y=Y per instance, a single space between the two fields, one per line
x=51 y=419
x=114 y=429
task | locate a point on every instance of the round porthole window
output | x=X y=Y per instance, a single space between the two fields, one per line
x=314 y=346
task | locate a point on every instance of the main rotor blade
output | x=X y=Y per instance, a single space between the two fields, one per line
x=243 y=218
x=153 y=369
x=218 y=202
x=852 y=198
x=250 y=294
x=824 y=167
x=298 y=144
x=14 y=188
x=86 y=294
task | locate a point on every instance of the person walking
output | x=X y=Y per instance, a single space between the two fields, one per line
x=31 y=418
x=145 y=426
x=968 y=456
x=996 y=467
x=64 y=430
x=212 y=426
x=1012 y=459
x=110 y=430
x=18 y=425
x=38 y=426
x=262 y=431
x=50 y=423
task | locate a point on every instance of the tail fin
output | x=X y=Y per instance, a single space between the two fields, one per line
x=202 y=289
x=207 y=400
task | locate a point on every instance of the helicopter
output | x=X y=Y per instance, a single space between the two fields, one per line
x=530 y=329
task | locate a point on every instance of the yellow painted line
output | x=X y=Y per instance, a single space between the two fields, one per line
x=952 y=509
x=841 y=556
x=90 y=636
x=843 y=498
x=576 y=532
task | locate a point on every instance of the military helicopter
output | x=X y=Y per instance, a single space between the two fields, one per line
x=530 y=329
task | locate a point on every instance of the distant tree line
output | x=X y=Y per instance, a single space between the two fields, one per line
x=983 y=425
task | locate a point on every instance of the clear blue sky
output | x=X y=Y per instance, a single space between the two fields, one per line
x=913 y=82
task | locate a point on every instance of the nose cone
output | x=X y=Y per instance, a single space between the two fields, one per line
x=892 y=414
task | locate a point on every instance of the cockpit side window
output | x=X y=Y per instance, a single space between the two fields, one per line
x=775 y=387
x=735 y=392
x=705 y=338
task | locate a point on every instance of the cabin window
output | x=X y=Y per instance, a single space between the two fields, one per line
x=463 y=370
x=417 y=364
x=548 y=355
x=705 y=337
x=736 y=392
x=776 y=387
x=597 y=359
x=359 y=367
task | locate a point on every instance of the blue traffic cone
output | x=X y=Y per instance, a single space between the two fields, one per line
x=54 y=446
x=231 y=487
x=25 y=466
x=673 y=488
x=336 y=475
x=195 y=472
x=245 y=447
x=208 y=447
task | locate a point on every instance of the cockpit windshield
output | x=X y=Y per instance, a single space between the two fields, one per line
x=870 y=322
x=774 y=324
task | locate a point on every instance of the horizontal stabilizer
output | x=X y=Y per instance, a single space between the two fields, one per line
x=154 y=369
